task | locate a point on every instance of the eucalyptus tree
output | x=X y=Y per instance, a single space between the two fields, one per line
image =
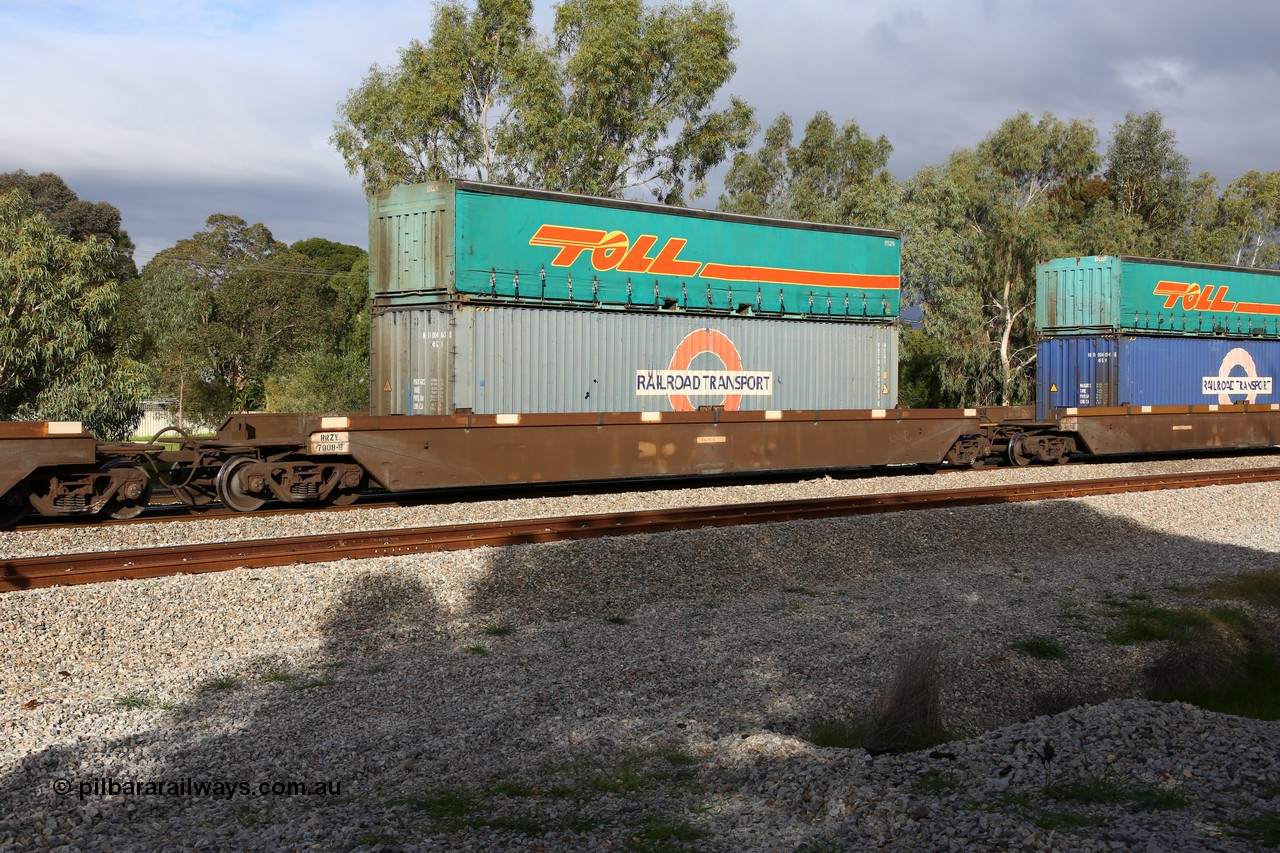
x=242 y=306
x=835 y=173
x=1250 y=208
x=75 y=217
x=976 y=228
x=1149 y=182
x=619 y=97
x=58 y=298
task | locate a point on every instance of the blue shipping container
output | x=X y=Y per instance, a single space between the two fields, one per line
x=1126 y=370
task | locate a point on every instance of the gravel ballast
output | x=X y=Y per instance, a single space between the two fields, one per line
x=645 y=692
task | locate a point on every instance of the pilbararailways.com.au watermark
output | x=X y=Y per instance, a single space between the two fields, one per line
x=227 y=789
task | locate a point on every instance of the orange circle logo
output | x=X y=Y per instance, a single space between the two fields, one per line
x=695 y=344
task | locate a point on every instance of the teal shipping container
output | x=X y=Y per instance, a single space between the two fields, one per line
x=1114 y=293
x=459 y=241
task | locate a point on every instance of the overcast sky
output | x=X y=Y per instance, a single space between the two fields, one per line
x=178 y=109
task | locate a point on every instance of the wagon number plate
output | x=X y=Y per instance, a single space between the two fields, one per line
x=331 y=442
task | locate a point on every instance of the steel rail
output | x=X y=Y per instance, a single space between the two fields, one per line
x=35 y=572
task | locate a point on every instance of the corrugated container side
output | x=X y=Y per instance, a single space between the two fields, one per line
x=411 y=241
x=460 y=240
x=436 y=359
x=1077 y=293
x=1127 y=370
x=1089 y=296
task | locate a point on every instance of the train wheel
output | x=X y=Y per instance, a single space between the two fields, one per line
x=194 y=496
x=1017 y=455
x=133 y=503
x=344 y=497
x=349 y=491
x=195 y=492
x=231 y=490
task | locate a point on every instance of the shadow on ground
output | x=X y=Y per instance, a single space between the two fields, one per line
x=581 y=694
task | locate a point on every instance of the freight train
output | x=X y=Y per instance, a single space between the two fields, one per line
x=522 y=337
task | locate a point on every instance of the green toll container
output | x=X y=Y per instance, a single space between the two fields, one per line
x=1116 y=293
x=460 y=241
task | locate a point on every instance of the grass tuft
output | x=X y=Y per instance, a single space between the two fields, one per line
x=1261 y=827
x=1258 y=587
x=1046 y=648
x=497 y=630
x=907 y=716
x=1107 y=789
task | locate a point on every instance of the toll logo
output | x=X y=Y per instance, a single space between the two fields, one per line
x=681 y=380
x=1208 y=297
x=1228 y=383
x=616 y=251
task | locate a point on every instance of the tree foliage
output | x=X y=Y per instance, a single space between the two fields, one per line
x=1149 y=182
x=621 y=96
x=74 y=217
x=835 y=174
x=241 y=309
x=986 y=219
x=1250 y=217
x=57 y=302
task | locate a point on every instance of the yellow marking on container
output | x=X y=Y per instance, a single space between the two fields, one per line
x=63 y=428
x=1053 y=388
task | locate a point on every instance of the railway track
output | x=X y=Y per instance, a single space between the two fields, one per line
x=36 y=572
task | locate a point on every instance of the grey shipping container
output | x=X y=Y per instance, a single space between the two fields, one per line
x=433 y=358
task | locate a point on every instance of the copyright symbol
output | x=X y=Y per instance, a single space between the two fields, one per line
x=62 y=787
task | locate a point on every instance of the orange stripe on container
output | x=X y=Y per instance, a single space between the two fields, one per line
x=1257 y=308
x=812 y=278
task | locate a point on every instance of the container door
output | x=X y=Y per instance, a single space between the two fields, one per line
x=1075 y=372
x=411 y=350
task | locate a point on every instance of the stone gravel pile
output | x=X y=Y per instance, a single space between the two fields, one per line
x=646 y=692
